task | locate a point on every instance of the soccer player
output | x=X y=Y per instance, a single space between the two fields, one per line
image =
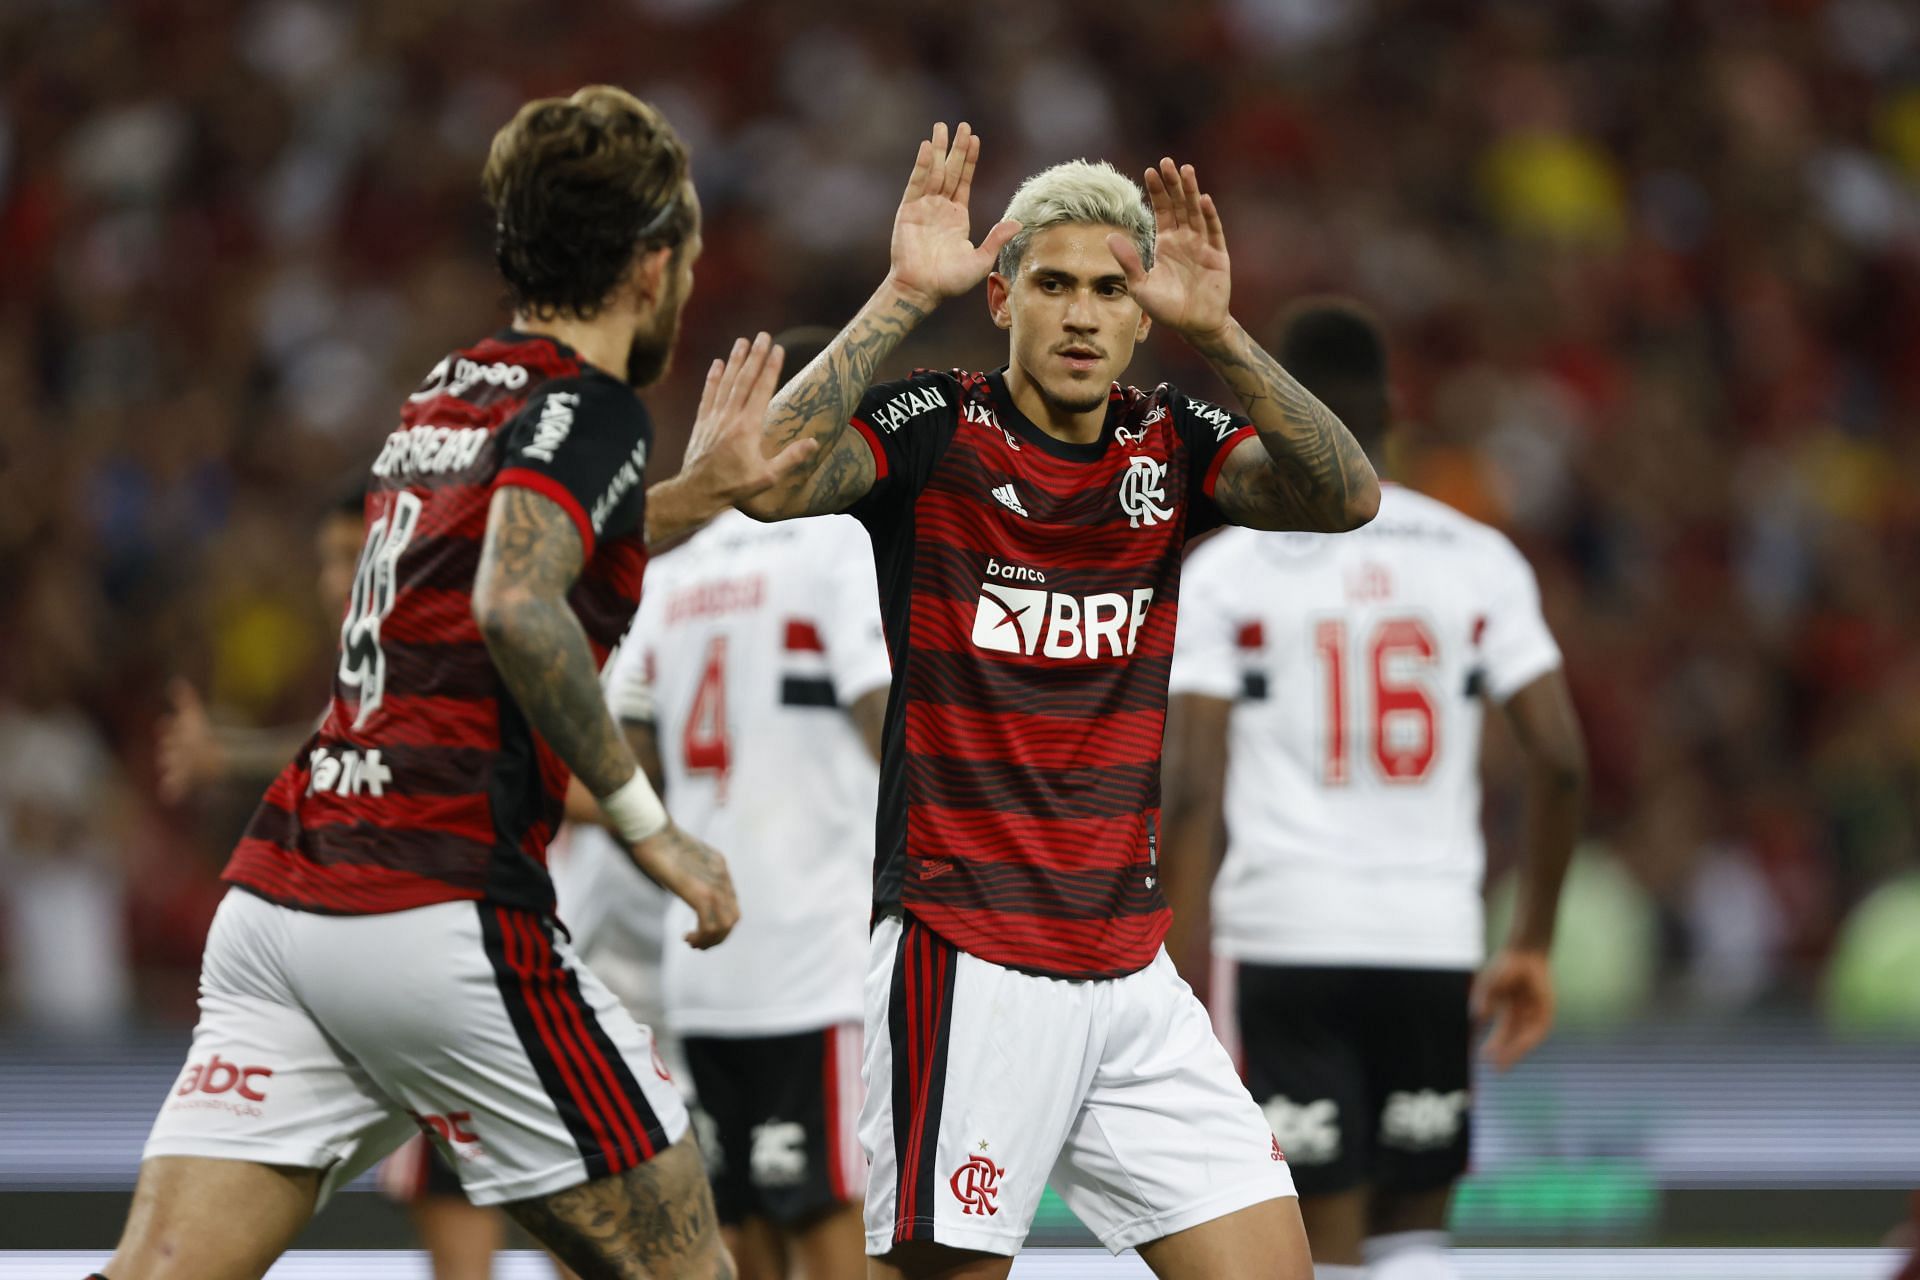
x=1334 y=688
x=387 y=958
x=1023 y=1023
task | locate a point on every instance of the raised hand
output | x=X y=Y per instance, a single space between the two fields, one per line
x=1191 y=281
x=726 y=460
x=933 y=254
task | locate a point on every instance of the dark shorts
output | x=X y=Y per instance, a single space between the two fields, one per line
x=778 y=1121
x=1363 y=1073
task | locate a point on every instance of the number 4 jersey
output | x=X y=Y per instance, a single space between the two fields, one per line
x=1358 y=665
x=425 y=783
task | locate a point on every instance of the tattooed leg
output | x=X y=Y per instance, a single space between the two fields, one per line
x=654 y=1221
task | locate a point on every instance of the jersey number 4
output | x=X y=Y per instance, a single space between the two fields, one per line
x=363 y=664
x=1404 y=726
x=704 y=744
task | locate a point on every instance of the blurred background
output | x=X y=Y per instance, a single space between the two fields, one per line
x=1651 y=272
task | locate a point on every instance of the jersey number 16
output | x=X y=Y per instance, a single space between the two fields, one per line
x=1403 y=726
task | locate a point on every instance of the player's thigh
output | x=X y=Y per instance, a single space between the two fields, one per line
x=1337 y=1226
x=1306 y=1066
x=1419 y=1068
x=756 y=1249
x=1264 y=1241
x=1167 y=1137
x=929 y=1260
x=525 y=1070
x=974 y=1074
x=655 y=1220
x=209 y=1218
x=460 y=1237
x=266 y=1106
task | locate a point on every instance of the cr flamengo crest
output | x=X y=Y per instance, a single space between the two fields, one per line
x=1143 y=491
x=976 y=1183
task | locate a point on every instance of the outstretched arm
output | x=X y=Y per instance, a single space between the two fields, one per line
x=1307 y=471
x=933 y=258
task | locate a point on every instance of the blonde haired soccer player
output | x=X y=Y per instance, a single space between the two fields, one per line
x=1023 y=1022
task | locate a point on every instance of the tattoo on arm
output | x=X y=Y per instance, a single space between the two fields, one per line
x=529 y=561
x=1313 y=473
x=656 y=1219
x=819 y=402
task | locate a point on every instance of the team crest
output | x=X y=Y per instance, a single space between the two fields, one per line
x=976 y=1183
x=1143 y=492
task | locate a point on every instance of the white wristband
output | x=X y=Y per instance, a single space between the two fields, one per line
x=635 y=810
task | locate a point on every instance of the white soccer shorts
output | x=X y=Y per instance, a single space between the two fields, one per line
x=984 y=1084
x=325 y=1041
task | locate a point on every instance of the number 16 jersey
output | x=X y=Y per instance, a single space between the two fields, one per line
x=1358 y=664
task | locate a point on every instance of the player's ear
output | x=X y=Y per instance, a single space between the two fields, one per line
x=651 y=268
x=999 y=290
x=1146 y=325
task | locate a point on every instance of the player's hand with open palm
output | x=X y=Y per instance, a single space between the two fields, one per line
x=724 y=454
x=1515 y=994
x=1192 y=280
x=934 y=257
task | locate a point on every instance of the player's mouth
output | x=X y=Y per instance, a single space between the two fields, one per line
x=1081 y=359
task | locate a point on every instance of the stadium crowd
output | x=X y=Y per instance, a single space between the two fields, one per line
x=1652 y=271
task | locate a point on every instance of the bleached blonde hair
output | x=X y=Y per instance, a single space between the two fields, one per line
x=1082 y=192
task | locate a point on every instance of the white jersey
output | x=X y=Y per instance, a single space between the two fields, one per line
x=1357 y=663
x=756 y=639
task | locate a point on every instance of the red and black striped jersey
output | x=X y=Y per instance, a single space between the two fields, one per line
x=424 y=782
x=1028 y=587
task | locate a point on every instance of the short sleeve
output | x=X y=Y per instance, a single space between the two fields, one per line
x=908 y=424
x=583 y=443
x=1205 y=659
x=1210 y=433
x=850 y=617
x=1515 y=646
x=629 y=679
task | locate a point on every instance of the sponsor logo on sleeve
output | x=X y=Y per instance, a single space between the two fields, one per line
x=347 y=773
x=631 y=472
x=556 y=421
x=453 y=377
x=1214 y=416
x=907 y=406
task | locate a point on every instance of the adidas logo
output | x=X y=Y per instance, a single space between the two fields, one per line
x=1007 y=498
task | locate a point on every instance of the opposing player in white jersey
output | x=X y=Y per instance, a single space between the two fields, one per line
x=1334 y=688
x=762 y=646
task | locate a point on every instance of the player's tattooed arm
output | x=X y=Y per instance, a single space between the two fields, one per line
x=656 y=1219
x=933 y=258
x=1306 y=471
x=818 y=403
x=529 y=560
x=1309 y=473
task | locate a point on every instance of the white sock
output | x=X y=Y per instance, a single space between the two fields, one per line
x=1337 y=1271
x=1410 y=1255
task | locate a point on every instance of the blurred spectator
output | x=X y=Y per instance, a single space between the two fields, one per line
x=1652 y=268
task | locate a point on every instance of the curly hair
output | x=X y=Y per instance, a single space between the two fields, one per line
x=579 y=185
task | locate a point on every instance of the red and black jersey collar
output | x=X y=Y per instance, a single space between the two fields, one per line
x=1018 y=423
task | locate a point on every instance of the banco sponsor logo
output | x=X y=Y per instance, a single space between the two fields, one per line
x=1032 y=621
